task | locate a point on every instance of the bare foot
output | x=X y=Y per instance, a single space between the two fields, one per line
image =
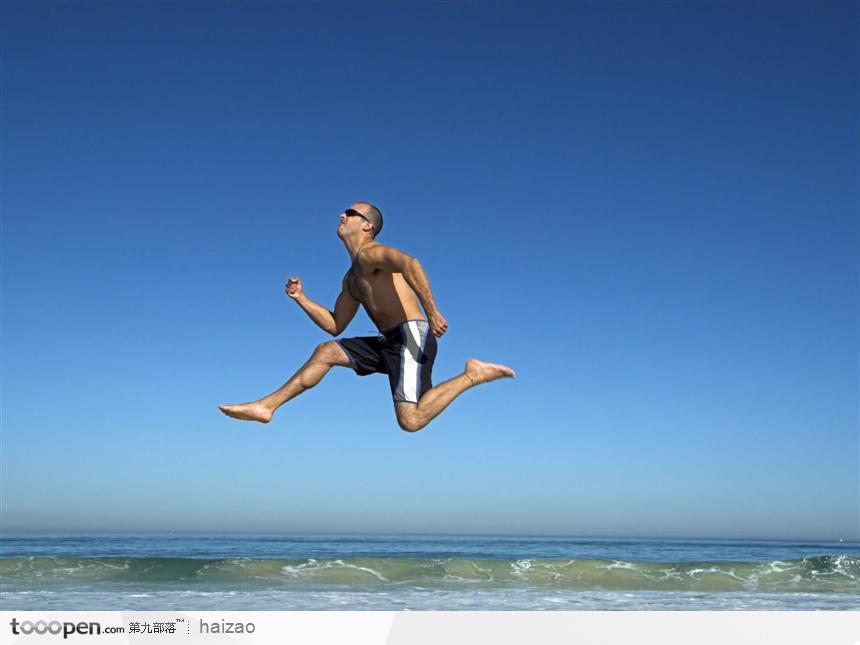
x=481 y=372
x=247 y=412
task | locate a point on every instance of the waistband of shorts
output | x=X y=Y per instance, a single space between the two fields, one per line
x=405 y=322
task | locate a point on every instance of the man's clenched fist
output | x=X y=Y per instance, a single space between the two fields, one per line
x=437 y=324
x=293 y=288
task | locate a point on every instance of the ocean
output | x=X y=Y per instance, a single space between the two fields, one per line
x=319 y=572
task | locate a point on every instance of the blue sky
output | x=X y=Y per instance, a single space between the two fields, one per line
x=649 y=210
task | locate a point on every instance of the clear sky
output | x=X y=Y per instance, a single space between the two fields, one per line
x=649 y=210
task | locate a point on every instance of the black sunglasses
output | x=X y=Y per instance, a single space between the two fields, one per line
x=351 y=212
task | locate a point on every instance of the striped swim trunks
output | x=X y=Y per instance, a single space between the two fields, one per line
x=405 y=352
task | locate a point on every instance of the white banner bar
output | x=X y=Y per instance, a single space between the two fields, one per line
x=432 y=628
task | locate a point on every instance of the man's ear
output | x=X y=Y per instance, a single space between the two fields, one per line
x=366 y=226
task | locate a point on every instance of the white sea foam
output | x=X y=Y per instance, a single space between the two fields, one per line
x=619 y=564
x=422 y=600
x=313 y=566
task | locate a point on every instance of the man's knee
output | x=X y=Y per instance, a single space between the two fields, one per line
x=409 y=419
x=329 y=353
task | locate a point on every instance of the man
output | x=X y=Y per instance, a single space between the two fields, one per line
x=390 y=285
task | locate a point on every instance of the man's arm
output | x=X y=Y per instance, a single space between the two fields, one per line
x=333 y=322
x=377 y=256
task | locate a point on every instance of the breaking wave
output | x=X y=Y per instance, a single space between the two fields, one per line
x=820 y=574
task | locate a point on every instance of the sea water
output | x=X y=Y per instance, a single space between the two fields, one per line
x=288 y=572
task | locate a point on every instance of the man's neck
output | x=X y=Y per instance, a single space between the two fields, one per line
x=354 y=245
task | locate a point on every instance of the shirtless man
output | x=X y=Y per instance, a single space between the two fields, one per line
x=390 y=285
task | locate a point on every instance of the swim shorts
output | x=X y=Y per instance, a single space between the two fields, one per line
x=405 y=352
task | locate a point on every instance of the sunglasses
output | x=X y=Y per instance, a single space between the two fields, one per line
x=351 y=212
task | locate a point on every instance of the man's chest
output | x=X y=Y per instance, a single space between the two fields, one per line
x=363 y=283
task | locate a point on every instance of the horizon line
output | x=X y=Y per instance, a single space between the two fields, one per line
x=310 y=534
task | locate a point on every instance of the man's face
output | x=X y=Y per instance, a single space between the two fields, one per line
x=351 y=224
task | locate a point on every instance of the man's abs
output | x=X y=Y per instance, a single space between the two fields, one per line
x=386 y=297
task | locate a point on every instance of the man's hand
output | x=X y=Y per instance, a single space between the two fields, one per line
x=437 y=324
x=293 y=288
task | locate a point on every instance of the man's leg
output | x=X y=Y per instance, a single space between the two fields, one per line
x=323 y=359
x=413 y=417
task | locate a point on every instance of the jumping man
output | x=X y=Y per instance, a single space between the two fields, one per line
x=390 y=284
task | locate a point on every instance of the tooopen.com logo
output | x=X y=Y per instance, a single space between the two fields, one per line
x=55 y=627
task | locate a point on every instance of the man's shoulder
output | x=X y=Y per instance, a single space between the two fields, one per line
x=376 y=258
x=374 y=246
x=372 y=251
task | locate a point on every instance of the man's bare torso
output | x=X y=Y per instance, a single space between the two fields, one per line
x=386 y=297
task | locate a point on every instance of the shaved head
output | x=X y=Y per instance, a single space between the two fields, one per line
x=372 y=213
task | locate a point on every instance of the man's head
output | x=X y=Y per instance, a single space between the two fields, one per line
x=360 y=218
